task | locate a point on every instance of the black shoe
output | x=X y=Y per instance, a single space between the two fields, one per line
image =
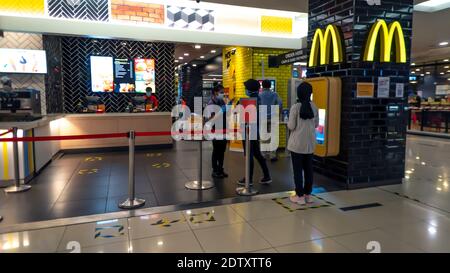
x=274 y=159
x=217 y=175
x=242 y=182
x=224 y=174
x=266 y=181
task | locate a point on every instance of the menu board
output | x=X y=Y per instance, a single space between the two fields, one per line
x=320 y=130
x=23 y=61
x=144 y=71
x=102 y=74
x=123 y=76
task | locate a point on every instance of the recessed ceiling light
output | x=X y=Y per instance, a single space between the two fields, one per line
x=185 y=63
x=413 y=72
x=198 y=46
x=202 y=57
x=213 y=51
x=422 y=75
x=428 y=73
x=177 y=61
x=194 y=65
x=418 y=69
x=446 y=67
x=448 y=79
x=448 y=71
x=442 y=73
x=413 y=64
x=181 y=58
x=446 y=60
x=186 y=54
x=443 y=43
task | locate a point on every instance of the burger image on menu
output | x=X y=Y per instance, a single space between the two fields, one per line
x=145 y=74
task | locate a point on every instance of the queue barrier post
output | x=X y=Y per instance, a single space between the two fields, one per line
x=132 y=202
x=247 y=190
x=199 y=184
x=17 y=187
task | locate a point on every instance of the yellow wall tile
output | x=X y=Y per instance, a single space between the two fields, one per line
x=23 y=6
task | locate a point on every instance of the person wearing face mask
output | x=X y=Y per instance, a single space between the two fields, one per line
x=252 y=90
x=151 y=99
x=303 y=121
x=219 y=145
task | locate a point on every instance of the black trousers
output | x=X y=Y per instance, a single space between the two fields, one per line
x=255 y=151
x=218 y=155
x=302 y=164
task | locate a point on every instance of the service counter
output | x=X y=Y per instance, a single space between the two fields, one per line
x=33 y=156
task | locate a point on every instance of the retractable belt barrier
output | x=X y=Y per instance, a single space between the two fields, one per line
x=132 y=202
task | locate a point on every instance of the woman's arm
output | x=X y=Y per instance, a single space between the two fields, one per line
x=292 y=123
x=316 y=116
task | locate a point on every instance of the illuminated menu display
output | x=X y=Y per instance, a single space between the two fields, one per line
x=102 y=74
x=144 y=70
x=123 y=76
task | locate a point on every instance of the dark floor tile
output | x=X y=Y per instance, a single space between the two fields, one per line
x=75 y=193
x=120 y=189
x=123 y=179
x=78 y=208
x=113 y=202
x=168 y=185
x=25 y=213
x=186 y=196
x=90 y=179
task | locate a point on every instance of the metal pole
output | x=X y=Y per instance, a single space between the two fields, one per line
x=132 y=202
x=247 y=190
x=199 y=184
x=17 y=186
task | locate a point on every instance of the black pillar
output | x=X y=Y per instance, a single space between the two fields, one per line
x=373 y=130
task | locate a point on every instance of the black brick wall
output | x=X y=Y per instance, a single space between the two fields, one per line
x=373 y=138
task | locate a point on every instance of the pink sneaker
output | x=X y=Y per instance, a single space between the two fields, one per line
x=297 y=200
x=309 y=199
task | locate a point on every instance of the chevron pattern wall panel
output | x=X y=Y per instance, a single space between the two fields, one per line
x=53 y=79
x=92 y=10
x=76 y=70
x=25 y=41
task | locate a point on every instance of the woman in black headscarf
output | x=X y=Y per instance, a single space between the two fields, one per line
x=303 y=120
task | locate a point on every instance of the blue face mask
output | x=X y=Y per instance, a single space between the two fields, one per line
x=220 y=96
x=247 y=93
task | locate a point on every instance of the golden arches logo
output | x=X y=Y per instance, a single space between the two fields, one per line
x=322 y=41
x=388 y=34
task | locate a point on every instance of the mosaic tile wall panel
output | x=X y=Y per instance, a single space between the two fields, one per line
x=276 y=25
x=76 y=70
x=53 y=79
x=92 y=10
x=181 y=17
x=373 y=137
x=25 y=41
x=138 y=12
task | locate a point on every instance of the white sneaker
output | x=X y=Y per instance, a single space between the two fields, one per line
x=309 y=199
x=297 y=200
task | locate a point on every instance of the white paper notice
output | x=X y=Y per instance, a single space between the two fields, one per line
x=383 y=87
x=399 y=90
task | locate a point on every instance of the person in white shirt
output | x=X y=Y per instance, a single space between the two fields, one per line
x=303 y=120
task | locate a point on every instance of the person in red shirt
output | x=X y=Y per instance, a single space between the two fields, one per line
x=151 y=99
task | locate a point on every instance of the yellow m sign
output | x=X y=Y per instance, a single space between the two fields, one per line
x=388 y=34
x=322 y=42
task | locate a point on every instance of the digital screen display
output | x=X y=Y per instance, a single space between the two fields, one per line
x=320 y=130
x=102 y=74
x=272 y=85
x=23 y=61
x=144 y=71
x=123 y=76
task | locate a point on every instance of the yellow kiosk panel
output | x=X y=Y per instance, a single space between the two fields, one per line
x=327 y=97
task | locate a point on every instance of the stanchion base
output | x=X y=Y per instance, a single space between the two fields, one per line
x=246 y=192
x=132 y=204
x=195 y=185
x=15 y=189
x=1 y=218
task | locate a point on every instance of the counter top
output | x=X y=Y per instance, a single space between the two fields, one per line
x=26 y=125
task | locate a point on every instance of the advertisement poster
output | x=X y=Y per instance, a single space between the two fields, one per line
x=23 y=61
x=320 y=130
x=102 y=74
x=365 y=90
x=124 y=76
x=399 y=90
x=144 y=71
x=383 y=87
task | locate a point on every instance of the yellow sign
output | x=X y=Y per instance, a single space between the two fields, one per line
x=387 y=35
x=365 y=90
x=322 y=42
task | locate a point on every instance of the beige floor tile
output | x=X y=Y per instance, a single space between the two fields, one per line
x=317 y=246
x=43 y=240
x=157 y=224
x=182 y=242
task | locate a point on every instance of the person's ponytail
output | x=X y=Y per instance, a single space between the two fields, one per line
x=304 y=91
